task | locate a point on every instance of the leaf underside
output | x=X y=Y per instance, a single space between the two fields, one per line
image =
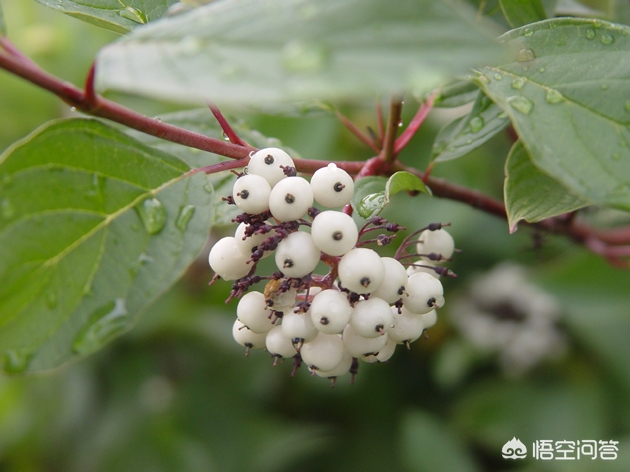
x=531 y=195
x=94 y=226
x=242 y=52
x=566 y=92
x=120 y=16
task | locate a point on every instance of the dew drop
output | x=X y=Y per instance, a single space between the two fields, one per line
x=498 y=76
x=304 y=56
x=525 y=55
x=208 y=188
x=132 y=14
x=590 y=33
x=143 y=259
x=104 y=323
x=541 y=70
x=502 y=115
x=51 y=299
x=528 y=32
x=152 y=214
x=97 y=188
x=476 y=124
x=607 y=39
x=521 y=104
x=16 y=361
x=185 y=214
x=518 y=83
x=6 y=208
x=73 y=109
x=553 y=96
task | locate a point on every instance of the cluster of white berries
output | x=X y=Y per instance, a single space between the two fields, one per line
x=361 y=309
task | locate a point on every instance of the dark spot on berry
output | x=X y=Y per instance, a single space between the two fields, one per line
x=255 y=248
x=249 y=345
x=379 y=328
x=401 y=290
x=338 y=187
x=269 y=159
x=431 y=301
x=289 y=198
x=269 y=302
x=337 y=235
x=243 y=194
x=289 y=263
x=324 y=320
x=365 y=281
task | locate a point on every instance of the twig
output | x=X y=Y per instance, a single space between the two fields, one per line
x=227 y=129
x=415 y=124
x=357 y=132
x=388 y=154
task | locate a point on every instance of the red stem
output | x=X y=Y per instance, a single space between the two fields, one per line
x=227 y=129
x=357 y=132
x=415 y=124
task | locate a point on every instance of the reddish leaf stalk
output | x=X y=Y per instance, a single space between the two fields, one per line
x=227 y=129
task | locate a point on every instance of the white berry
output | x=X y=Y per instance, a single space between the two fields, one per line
x=252 y=311
x=334 y=232
x=394 y=282
x=330 y=311
x=297 y=255
x=359 y=346
x=277 y=343
x=438 y=241
x=298 y=327
x=429 y=319
x=227 y=261
x=371 y=318
x=342 y=368
x=361 y=270
x=407 y=326
x=325 y=352
x=248 y=244
x=383 y=355
x=290 y=199
x=267 y=164
x=424 y=293
x=251 y=194
x=246 y=337
x=332 y=187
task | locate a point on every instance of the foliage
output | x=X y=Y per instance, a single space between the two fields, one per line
x=98 y=221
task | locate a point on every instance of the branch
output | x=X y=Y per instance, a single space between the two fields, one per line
x=415 y=124
x=357 y=132
x=227 y=129
x=388 y=154
x=95 y=105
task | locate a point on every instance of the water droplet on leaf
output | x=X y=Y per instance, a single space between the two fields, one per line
x=528 y=32
x=143 y=259
x=521 y=104
x=553 y=96
x=518 y=83
x=304 y=56
x=476 y=124
x=590 y=33
x=525 y=55
x=626 y=105
x=185 y=214
x=541 y=70
x=133 y=14
x=604 y=86
x=616 y=156
x=208 y=188
x=16 y=361
x=104 y=323
x=152 y=214
x=498 y=76
x=607 y=39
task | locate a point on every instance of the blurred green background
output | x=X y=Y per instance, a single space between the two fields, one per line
x=177 y=394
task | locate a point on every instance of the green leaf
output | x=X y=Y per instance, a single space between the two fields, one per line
x=456 y=94
x=94 y=226
x=428 y=444
x=202 y=121
x=461 y=136
x=531 y=195
x=3 y=26
x=244 y=52
x=372 y=194
x=522 y=12
x=566 y=91
x=117 y=15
